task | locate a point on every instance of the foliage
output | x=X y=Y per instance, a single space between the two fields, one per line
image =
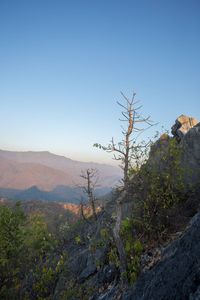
x=105 y=235
x=26 y=249
x=68 y=232
x=63 y=229
x=11 y=241
x=128 y=152
x=113 y=257
x=157 y=186
x=133 y=269
x=77 y=292
x=133 y=249
x=38 y=240
x=30 y=257
x=161 y=188
x=78 y=240
x=44 y=277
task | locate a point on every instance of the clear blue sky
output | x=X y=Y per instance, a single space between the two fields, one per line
x=64 y=63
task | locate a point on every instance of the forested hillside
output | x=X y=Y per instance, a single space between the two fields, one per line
x=53 y=251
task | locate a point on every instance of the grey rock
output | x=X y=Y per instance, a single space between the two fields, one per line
x=187 y=132
x=107 y=275
x=109 y=294
x=79 y=262
x=182 y=125
x=177 y=276
x=191 y=155
x=196 y=295
x=89 y=270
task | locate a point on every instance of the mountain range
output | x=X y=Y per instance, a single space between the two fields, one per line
x=47 y=176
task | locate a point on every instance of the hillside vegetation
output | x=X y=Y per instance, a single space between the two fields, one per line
x=70 y=257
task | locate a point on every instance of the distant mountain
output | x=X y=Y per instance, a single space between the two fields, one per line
x=24 y=175
x=59 y=194
x=46 y=176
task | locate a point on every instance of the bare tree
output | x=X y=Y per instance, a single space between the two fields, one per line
x=126 y=151
x=82 y=213
x=91 y=178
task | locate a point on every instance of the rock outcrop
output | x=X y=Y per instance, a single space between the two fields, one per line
x=187 y=131
x=191 y=156
x=177 y=275
x=172 y=272
x=182 y=126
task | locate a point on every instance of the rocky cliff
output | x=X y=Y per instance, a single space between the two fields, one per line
x=191 y=155
x=174 y=272
x=186 y=131
x=177 y=275
x=171 y=270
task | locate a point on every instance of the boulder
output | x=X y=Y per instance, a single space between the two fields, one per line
x=186 y=130
x=191 y=155
x=182 y=125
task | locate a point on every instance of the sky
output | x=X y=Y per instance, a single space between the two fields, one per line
x=64 y=63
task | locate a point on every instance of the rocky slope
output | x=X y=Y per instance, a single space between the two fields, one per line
x=174 y=271
x=177 y=275
x=169 y=265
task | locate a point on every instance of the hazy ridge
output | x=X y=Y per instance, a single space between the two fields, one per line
x=46 y=176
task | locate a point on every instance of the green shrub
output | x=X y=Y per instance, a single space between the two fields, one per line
x=113 y=257
x=78 y=239
x=11 y=250
x=161 y=187
x=26 y=247
x=133 y=249
x=104 y=234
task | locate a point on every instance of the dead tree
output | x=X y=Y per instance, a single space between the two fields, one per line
x=82 y=213
x=126 y=152
x=91 y=178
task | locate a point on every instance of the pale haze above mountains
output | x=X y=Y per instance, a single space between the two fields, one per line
x=46 y=176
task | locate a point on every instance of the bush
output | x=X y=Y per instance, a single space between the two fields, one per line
x=11 y=250
x=160 y=187
x=26 y=249
x=133 y=249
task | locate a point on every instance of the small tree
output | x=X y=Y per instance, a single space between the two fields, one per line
x=91 y=178
x=11 y=250
x=126 y=151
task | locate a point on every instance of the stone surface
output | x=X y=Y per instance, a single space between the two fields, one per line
x=87 y=264
x=186 y=131
x=182 y=126
x=177 y=276
x=191 y=155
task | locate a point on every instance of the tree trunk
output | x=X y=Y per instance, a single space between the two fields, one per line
x=82 y=213
x=116 y=233
x=90 y=193
x=92 y=204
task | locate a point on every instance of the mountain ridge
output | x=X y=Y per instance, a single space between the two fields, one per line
x=49 y=172
x=17 y=154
